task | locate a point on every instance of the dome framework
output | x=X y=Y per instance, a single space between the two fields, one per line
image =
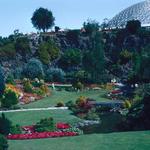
x=139 y=11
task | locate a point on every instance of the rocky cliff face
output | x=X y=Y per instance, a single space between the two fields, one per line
x=115 y=42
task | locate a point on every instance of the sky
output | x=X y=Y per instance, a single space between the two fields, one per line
x=70 y=14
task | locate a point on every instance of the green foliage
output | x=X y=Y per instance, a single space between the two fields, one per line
x=92 y=115
x=125 y=56
x=48 y=51
x=10 y=79
x=78 y=86
x=42 y=19
x=81 y=101
x=46 y=124
x=60 y=104
x=8 y=50
x=34 y=69
x=16 y=129
x=91 y=26
x=44 y=89
x=9 y=99
x=22 y=45
x=133 y=26
x=43 y=54
x=70 y=104
x=5 y=125
x=138 y=116
x=27 y=86
x=81 y=76
x=18 y=73
x=37 y=82
x=2 y=82
x=127 y=104
x=55 y=75
x=3 y=143
x=93 y=60
x=141 y=67
x=70 y=58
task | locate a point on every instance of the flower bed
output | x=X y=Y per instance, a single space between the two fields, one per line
x=37 y=135
x=64 y=129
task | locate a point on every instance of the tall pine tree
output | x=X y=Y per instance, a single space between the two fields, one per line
x=93 y=60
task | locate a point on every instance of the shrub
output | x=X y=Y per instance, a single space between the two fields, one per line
x=91 y=26
x=5 y=125
x=46 y=124
x=48 y=51
x=27 y=86
x=78 y=86
x=81 y=101
x=44 y=89
x=34 y=69
x=127 y=104
x=70 y=104
x=55 y=75
x=22 y=45
x=81 y=75
x=37 y=82
x=43 y=54
x=125 y=56
x=70 y=58
x=92 y=115
x=104 y=109
x=3 y=143
x=16 y=129
x=60 y=104
x=9 y=99
x=10 y=79
x=8 y=50
x=2 y=82
x=18 y=73
x=39 y=92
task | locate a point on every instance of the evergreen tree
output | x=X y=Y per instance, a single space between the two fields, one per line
x=34 y=69
x=5 y=125
x=93 y=60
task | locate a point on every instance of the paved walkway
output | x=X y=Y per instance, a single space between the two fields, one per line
x=36 y=109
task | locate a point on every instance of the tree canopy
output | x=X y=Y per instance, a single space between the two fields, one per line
x=42 y=19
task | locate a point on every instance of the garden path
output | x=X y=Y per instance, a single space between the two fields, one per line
x=36 y=109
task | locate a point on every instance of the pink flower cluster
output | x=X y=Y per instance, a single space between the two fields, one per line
x=62 y=125
x=41 y=135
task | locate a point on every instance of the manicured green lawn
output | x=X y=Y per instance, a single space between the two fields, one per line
x=31 y=117
x=65 y=96
x=112 y=141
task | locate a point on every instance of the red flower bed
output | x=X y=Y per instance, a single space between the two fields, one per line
x=36 y=135
x=40 y=135
x=62 y=126
x=116 y=92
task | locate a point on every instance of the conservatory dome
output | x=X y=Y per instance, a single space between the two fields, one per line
x=139 y=11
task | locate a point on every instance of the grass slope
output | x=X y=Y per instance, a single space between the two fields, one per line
x=113 y=141
x=31 y=117
x=65 y=96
